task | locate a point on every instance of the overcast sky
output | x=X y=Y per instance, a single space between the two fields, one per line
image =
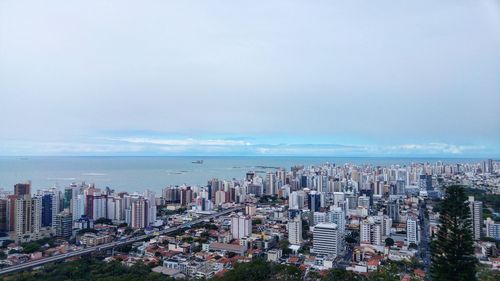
x=361 y=78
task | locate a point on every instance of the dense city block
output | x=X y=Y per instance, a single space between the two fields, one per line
x=329 y=222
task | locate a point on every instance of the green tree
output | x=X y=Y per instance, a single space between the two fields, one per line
x=453 y=251
x=413 y=246
x=341 y=275
x=389 y=242
x=31 y=247
x=256 y=221
x=103 y=221
x=284 y=246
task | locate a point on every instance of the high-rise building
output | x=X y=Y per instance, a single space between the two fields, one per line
x=139 y=213
x=11 y=212
x=67 y=198
x=412 y=230
x=386 y=223
x=376 y=234
x=151 y=205
x=425 y=182
x=99 y=206
x=78 y=209
x=370 y=232
x=393 y=211
x=171 y=195
x=241 y=226
x=220 y=197
x=492 y=229
x=186 y=196
x=327 y=240
x=22 y=189
x=64 y=224
x=4 y=215
x=364 y=201
x=296 y=201
x=271 y=184
x=490 y=166
x=337 y=216
x=50 y=207
x=28 y=218
x=295 y=231
x=250 y=210
x=352 y=202
x=338 y=197
x=476 y=211
x=314 y=201
x=319 y=217
x=365 y=232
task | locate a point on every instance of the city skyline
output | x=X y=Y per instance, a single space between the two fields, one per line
x=281 y=79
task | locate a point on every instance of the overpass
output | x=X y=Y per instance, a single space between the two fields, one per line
x=40 y=262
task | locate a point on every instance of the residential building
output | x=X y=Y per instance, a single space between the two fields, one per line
x=327 y=240
x=241 y=226
x=476 y=211
x=295 y=231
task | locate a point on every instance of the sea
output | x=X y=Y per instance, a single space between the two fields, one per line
x=132 y=174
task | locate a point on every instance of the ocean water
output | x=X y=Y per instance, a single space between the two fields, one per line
x=139 y=173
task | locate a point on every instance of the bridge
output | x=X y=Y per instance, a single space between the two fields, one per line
x=111 y=245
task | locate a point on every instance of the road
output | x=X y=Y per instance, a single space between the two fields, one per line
x=110 y=245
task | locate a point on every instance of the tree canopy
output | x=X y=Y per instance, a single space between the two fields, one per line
x=453 y=251
x=90 y=269
x=389 y=242
x=259 y=269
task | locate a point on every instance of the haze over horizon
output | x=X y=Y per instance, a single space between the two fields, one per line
x=329 y=78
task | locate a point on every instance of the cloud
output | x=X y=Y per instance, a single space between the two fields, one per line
x=432 y=148
x=139 y=145
x=368 y=69
x=182 y=142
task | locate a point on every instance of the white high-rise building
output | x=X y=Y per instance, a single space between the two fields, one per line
x=337 y=198
x=99 y=207
x=241 y=227
x=476 y=211
x=492 y=229
x=370 y=232
x=337 y=216
x=327 y=240
x=412 y=230
x=28 y=218
x=295 y=231
x=78 y=206
x=296 y=200
x=271 y=184
x=364 y=201
x=115 y=209
x=376 y=234
x=319 y=217
x=386 y=222
x=220 y=197
x=365 y=232
x=150 y=197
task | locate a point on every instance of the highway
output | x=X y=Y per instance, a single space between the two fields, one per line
x=35 y=263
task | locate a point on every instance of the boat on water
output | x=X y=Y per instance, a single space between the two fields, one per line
x=197 y=162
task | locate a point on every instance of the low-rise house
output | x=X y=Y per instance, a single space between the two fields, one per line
x=232 y=248
x=91 y=239
x=274 y=255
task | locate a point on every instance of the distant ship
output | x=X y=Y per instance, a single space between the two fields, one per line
x=197 y=162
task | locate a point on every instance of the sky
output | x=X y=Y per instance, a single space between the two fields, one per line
x=318 y=78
